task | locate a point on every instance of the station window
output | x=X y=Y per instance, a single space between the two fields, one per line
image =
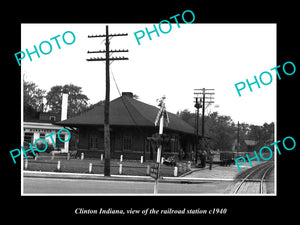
x=93 y=141
x=52 y=118
x=127 y=143
x=28 y=137
x=60 y=144
x=42 y=135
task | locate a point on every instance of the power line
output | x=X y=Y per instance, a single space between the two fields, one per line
x=116 y=84
x=127 y=109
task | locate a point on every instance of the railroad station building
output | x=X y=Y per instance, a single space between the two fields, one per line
x=131 y=128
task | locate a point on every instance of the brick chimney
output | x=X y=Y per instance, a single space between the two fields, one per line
x=64 y=107
x=128 y=94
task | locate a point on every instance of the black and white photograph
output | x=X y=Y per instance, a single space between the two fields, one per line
x=167 y=116
x=179 y=127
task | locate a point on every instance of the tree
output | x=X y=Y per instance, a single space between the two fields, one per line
x=219 y=129
x=187 y=116
x=222 y=131
x=32 y=100
x=33 y=96
x=135 y=96
x=244 y=130
x=268 y=133
x=92 y=106
x=263 y=135
x=77 y=101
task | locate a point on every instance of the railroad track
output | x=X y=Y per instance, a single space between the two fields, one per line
x=253 y=182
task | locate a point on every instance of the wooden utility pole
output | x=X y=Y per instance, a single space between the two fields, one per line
x=205 y=93
x=107 y=60
x=106 y=111
x=197 y=106
x=203 y=114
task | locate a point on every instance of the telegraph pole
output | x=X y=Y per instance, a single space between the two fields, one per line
x=206 y=96
x=107 y=60
x=197 y=106
x=203 y=112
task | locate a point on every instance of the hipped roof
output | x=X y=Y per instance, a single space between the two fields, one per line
x=126 y=111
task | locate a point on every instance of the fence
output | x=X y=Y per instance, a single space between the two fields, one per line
x=66 y=163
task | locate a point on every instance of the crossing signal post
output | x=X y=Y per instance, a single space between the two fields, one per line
x=107 y=60
x=161 y=119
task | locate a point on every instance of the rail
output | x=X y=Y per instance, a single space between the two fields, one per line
x=265 y=168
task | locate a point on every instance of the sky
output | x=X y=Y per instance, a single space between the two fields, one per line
x=194 y=56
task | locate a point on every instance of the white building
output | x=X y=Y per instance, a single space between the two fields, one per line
x=36 y=130
x=41 y=125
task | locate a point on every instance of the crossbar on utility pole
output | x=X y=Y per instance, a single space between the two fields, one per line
x=204 y=93
x=107 y=60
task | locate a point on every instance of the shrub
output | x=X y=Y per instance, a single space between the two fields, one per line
x=41 y=146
